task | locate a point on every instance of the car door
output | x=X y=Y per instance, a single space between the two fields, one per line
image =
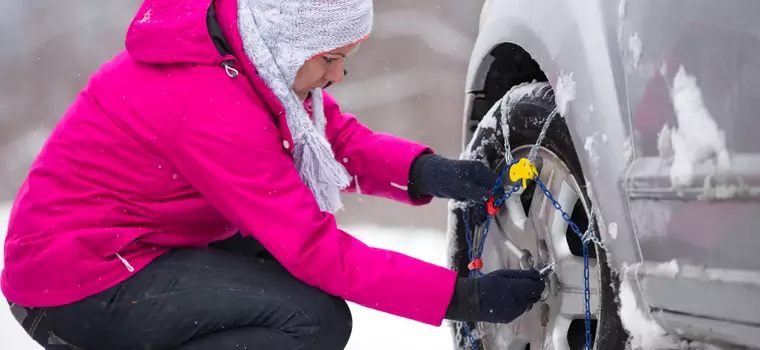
x=692 y=70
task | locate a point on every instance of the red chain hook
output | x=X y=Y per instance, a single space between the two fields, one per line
x=492 y=210
x=475 y=264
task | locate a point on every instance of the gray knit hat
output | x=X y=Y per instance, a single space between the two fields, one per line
x=279 y=36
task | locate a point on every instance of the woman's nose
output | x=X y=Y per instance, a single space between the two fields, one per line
x=336 y=74
x=345 y=72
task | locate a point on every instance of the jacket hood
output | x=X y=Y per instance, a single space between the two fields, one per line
x=172 y=31
x=271 y=39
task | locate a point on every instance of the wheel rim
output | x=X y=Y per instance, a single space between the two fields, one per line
x=531 y=232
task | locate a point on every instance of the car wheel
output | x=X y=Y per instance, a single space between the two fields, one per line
x=529 y=232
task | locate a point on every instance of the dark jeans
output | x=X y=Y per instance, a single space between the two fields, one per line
x=233 y=296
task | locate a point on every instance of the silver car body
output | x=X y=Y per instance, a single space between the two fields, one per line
x=662 y=102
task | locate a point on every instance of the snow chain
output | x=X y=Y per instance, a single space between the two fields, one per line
x=520 y=172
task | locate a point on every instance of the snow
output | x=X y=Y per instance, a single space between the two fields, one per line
x=373 y=330
x=628 y=149
x=477 y=152
x=621 y=9
x=11 y=334
x=589 y=147
x=514 y=95
x=590 y=191
x=665 y=143
x=644 y=332
x=697 y=137
x=635 y=46
x=612 y=230
x=523 y=91
x=376 y=330
x=565 y=92
x=669 y=269
x=723 y=191
x=489 y=120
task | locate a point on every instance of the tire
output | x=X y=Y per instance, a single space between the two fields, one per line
x=529 y=106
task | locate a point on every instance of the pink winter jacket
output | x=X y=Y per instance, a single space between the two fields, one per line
x=163 y=148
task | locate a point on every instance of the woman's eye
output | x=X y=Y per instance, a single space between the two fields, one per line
x=329 y=59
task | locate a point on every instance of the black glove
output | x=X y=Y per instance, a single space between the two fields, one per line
x=497 y=297
x=462 y=180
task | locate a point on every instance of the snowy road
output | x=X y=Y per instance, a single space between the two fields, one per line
x=372 y=330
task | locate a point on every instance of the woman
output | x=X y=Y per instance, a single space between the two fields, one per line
x=199 y=130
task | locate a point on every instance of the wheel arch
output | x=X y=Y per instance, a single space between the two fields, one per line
x=555 y=51
x=501 y=45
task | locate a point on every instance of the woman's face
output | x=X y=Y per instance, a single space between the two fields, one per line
x=318 y=71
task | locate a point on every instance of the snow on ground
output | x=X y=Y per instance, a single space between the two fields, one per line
x=376 y=330
x=373 y=330
x=12 y=337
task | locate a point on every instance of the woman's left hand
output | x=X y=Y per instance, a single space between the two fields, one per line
x=461 y=180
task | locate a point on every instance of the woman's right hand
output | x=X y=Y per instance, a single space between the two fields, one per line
x=497 y=297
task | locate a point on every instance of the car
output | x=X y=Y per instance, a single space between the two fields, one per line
x=651 y=151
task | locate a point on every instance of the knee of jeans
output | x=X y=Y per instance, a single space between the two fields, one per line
x=331 y=325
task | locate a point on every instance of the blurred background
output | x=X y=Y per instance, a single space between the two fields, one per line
x=408 y=80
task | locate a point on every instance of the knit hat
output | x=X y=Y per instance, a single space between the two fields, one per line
x=279 y=36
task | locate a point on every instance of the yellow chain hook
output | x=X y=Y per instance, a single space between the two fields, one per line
x=524 y=170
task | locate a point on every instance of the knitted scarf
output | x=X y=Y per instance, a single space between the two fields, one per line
x=279 y=36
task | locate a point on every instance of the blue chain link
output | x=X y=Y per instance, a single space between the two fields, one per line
x=476 y=253
x=574 y=227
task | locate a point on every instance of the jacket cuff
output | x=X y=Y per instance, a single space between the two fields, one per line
x=406 y=161
x=417 y=185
